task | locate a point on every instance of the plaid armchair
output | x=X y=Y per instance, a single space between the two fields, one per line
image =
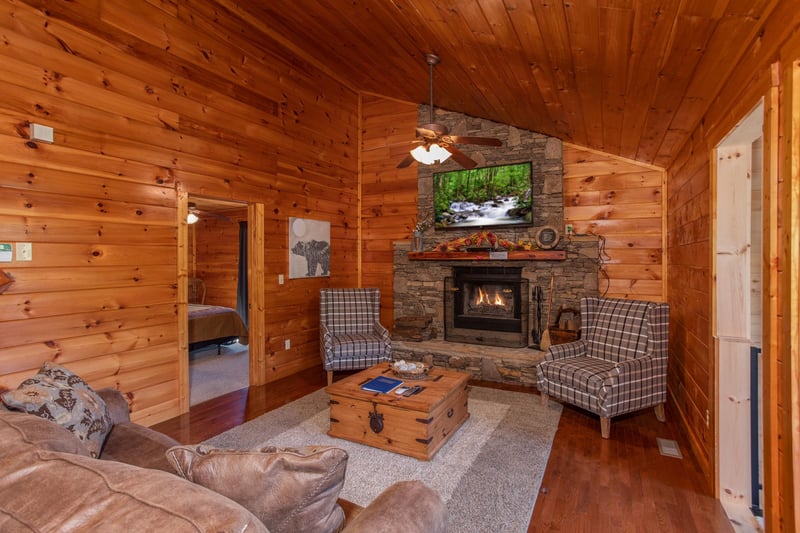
x=619 y=364
x=350 y=333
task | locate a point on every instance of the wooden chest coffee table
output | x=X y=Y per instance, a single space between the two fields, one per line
x=416 y=426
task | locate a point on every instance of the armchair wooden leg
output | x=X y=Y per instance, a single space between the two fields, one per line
x=330 y=377
x=605 y=427
x=544 y=399
x=659 y=409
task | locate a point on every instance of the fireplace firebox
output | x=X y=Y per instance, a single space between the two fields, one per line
x=487 y=305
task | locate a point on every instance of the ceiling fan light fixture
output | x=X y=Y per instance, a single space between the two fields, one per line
x=191 y=218
x=431 y=155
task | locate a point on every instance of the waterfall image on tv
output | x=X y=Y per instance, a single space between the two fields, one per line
x=483 y=197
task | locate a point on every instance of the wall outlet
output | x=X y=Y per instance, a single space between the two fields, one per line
x=287 y=344
x=280 y=279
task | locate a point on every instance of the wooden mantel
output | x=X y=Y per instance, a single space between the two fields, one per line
x=523 y=255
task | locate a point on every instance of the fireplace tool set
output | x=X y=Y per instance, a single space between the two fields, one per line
x=536 y=332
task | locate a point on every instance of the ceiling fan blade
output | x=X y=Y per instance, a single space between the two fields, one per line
x=406 y=161
x=486 y=141
x=460 y=157
x=392 y=145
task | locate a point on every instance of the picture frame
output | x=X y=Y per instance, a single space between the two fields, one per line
x=547 y=238
x=309 y=248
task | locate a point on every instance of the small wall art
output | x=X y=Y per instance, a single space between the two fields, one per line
x=309 y=248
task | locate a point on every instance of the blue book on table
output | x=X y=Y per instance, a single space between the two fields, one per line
x=381 y=384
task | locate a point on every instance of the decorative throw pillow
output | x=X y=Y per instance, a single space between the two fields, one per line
x=287 y=489
x=58 y=394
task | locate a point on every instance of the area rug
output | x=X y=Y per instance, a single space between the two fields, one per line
x=212 y=375
x=489 y=472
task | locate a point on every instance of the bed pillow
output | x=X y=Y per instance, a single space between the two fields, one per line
x=287 y=489
x=58 y=394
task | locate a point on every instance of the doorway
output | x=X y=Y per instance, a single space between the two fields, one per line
x=212 y=233
x=737 y=326
x=218 y=306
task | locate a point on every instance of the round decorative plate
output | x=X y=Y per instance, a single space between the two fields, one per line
x=547 y=237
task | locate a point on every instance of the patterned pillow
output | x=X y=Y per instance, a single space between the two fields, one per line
x=287 y=489
x=59 y=395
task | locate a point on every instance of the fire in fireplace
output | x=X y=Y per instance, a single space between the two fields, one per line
x=487 y=305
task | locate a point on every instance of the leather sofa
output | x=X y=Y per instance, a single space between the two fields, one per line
x=49 y=482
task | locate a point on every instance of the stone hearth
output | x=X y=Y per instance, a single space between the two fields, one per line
x=484 y=363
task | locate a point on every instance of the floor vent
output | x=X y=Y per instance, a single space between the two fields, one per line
x=669 y=448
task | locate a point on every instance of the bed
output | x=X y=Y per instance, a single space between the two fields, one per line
x=214 y=324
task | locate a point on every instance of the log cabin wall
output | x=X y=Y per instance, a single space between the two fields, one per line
x=621 y=201
x=761 y=74
x=146 y=100
x=388 y=194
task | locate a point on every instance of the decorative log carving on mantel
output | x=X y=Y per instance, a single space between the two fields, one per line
x=519 y=255
x=5 y=281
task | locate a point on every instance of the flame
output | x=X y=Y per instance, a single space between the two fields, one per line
x=484 y=298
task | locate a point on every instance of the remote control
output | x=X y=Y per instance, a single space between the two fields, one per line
x=413 y=390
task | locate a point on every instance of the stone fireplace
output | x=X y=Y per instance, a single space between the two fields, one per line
x=425 y=290
x=421 y=287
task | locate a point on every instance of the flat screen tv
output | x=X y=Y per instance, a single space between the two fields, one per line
x=483 y=197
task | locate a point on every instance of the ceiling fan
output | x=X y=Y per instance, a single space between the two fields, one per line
x=434 y=142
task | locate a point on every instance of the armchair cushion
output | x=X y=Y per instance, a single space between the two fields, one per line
x=348 y=311
x=617 y=329
x=585 y=374
x=356 y=345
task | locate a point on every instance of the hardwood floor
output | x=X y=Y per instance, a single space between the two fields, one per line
x=591 y=485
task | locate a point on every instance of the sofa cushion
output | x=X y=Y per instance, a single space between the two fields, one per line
x=43 y=434
x=138 y=445
x=43 y=490
x=287 y=489
x=58 y=394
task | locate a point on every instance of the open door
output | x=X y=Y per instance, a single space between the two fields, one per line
x=738 y=330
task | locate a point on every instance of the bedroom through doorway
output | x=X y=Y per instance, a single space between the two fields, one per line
x=218 y=323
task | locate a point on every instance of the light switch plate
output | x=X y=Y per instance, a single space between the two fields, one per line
x=287 y=344
x=24 y=251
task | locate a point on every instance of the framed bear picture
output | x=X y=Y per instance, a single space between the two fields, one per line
x=309 y=248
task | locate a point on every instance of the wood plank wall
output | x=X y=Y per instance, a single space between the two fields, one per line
x=621 y=201
x=146 y=98
x=388 y=194
x=215 y=256
x=692 y=365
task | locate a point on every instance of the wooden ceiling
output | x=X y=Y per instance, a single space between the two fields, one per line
x=628 y=77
